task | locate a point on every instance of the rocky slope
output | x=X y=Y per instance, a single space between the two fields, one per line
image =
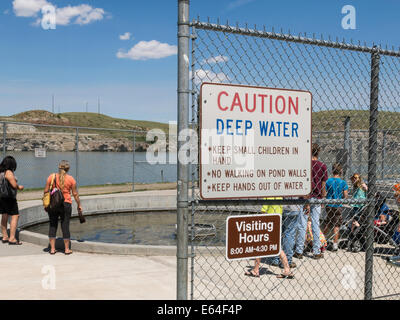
x=28 y=137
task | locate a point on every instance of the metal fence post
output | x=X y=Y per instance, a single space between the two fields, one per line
x=372 y=159
x=77 y=155
x=347 y=147
x=133 y=161
x=383 y=154
x=183 y=173
x=359 y=152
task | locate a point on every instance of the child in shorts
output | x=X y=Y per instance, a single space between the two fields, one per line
x=336 y=188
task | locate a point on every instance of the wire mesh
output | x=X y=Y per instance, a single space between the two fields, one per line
x=97 y=156
x=339 y=77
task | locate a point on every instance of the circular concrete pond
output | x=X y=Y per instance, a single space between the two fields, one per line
x=143 y=228
x=139 y=223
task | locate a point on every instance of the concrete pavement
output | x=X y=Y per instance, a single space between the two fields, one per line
x=30 y=272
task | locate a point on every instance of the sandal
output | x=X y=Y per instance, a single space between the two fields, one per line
x=285 y=276
x=252 y=274
x=68 y=253
x=53 y=253
x=17 y=243
x=4 y=241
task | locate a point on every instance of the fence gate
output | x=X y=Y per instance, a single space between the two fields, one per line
x=356 y=122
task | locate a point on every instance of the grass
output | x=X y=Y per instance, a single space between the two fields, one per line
x=359 y=120
x=84 y=119
x=94 y=120
x=89 y=120
x=332 y=120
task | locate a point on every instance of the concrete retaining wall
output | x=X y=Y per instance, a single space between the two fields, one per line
x=141 y=201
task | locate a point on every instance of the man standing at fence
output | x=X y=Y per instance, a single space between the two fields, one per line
x=319 y=175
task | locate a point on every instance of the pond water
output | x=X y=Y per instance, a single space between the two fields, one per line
x=94 y=168
x=146 y=228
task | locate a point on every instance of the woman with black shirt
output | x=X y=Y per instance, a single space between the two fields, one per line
x=9 y=205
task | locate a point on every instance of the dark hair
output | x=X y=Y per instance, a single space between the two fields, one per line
x=337 y=169
x=8 y=163
x=315 y=150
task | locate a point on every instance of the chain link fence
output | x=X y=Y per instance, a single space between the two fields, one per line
x=97 y=156
x=355 y=121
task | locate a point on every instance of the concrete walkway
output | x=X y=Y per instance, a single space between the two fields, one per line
x=26 y=272
x=30 y=272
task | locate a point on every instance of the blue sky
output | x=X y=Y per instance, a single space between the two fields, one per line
x=125 y=51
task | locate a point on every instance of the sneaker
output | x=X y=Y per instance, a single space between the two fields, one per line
x=318 y=256
x=335 y=247
x=298 y=255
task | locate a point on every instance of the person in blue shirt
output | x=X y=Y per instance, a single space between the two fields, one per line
x=381 y=210
x=336 y=188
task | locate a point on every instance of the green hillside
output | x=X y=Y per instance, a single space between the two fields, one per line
x=85 y=119
x=332 y=120
x=359 y=120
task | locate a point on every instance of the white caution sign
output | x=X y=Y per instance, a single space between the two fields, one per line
x=254 y=142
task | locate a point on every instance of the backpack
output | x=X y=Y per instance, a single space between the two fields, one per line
x=3 y=186
x=56 y=198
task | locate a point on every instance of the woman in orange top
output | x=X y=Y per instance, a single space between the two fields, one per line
x=66 y=184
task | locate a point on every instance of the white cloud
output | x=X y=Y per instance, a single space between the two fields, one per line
x=201 y=75
x=125 y=36
x=145 y=50
x=215 y=60
x=238 y=3
x=81 y=14
x=28 y=8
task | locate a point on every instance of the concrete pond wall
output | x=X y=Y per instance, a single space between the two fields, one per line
x=104 y=204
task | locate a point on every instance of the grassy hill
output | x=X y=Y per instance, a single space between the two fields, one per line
x=359 y=120
x=322 y=120
x=85 y=119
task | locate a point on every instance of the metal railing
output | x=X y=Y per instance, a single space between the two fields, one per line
x=98 y=156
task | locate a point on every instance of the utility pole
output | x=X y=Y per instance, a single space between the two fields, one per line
x=52 y=104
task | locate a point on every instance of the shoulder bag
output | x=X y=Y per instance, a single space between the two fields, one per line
x=46 y=196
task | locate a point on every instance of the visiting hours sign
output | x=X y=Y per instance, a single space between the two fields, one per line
x=254 y=142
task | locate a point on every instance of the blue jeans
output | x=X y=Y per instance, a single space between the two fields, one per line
x=289 y=228
x=315 y=214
